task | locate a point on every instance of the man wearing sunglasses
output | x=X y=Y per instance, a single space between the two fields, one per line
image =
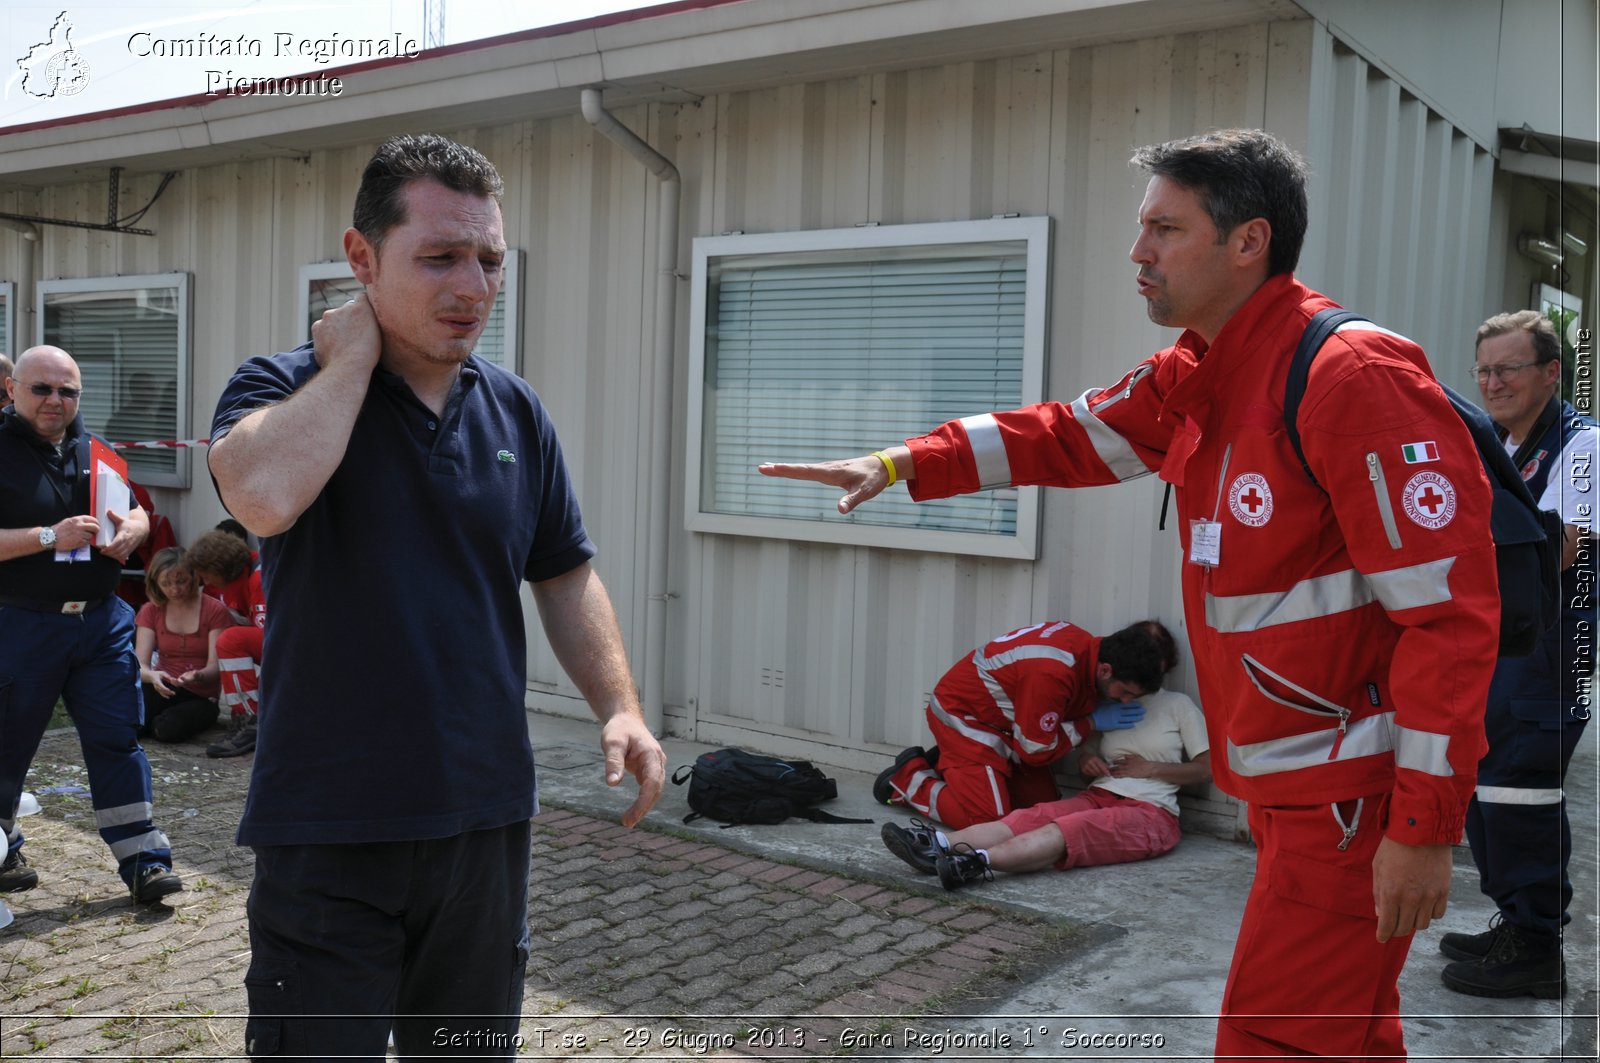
x=1538 y=704
x=64 y=633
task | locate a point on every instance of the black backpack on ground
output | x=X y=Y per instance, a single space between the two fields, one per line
x=1527 y=540
x=736 y=787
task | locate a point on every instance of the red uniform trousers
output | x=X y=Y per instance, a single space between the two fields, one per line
x=1309 y=977
x=239 y=670
x=972 y=783
x=1101 y=827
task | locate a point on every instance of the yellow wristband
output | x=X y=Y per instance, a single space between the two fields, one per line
x=887 y=464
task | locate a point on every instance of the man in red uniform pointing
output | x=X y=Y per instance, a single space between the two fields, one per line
x=1343 y=634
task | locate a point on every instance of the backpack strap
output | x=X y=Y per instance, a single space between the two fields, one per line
x=816 y=815
x=1322 y=325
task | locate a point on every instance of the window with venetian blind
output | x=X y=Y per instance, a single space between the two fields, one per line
x=815 y=345
x=130 y=337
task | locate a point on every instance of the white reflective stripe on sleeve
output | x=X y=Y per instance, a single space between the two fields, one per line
x=998 y=695
x=966 y=730
x=148 y=842
x=1364 y=738
x=988 y=450
x=1116 y=452
x=1024 y=653
x=1368 y=326
x=1337 y=592
x=1423 y=751
x=236 y=664
x=138 y=812
x=1516 y=795
x=1029 y=746
x=1413 y=586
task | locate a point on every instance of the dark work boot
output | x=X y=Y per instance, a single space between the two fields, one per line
x=16 y=875
x=1459 y=946
x=1518 y=964
x=883 y=790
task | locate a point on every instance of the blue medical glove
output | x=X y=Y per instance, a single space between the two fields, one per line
x=1117 y=716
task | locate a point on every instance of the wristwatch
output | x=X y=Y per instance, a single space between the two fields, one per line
x=47 y=537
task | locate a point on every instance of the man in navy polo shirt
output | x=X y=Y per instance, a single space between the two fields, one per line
x=404 y=490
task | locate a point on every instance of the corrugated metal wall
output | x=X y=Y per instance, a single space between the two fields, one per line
x=1400 y=225
x=829 y=651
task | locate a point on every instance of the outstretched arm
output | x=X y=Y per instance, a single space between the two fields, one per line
x=582 y=628
x=860 y=478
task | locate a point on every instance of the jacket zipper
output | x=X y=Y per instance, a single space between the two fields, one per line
x=1380 y=487
x=1127 y=390
x=1320 y=706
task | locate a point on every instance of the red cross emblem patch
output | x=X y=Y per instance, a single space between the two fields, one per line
x=1250 y=499
x=1430 y=500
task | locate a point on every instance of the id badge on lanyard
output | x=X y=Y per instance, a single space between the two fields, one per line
x=1205 y=536
x=1205 y=542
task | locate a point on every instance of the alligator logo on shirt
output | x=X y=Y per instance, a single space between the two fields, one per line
x=507 y=457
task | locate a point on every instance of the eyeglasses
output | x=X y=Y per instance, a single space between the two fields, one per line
x=1482 y=373
x=68 y=394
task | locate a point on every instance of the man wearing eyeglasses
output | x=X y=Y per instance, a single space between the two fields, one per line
x=1538 y=704
x=64 y=633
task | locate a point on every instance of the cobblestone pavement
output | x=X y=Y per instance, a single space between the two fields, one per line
x=645 y=944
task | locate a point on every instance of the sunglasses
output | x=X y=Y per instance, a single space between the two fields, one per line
x=69 y=394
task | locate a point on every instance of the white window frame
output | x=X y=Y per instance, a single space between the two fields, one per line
x=510 y=289
x=1023 y=542
x=8 y=321
x=183 y=285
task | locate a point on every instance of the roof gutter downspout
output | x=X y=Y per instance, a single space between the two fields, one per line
x=660 y=471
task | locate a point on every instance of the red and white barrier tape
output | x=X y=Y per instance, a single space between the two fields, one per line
x=163 y=444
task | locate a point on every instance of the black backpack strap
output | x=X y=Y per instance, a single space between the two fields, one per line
x=816 y=815
x=1322 y=325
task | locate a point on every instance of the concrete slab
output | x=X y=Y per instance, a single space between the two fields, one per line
x=1153 y=971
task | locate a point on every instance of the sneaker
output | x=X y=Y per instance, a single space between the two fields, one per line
x=1519 y=964
x=962 y=865
x=883 y=790
x=918 y=846
x=1460 y=946
x=154 y=883
x=16 y=875
x=240 y=740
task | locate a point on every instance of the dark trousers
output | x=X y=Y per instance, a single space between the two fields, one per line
x=426 y=938
x=87 y=661
x=1517 y=819
x=181 y=716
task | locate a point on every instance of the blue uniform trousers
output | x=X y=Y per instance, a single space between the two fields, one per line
x=86 y=660
x=1517 y=819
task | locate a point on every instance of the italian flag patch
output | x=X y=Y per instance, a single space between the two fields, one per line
x=1416 y=453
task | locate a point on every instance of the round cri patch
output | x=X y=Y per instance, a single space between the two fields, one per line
x=1430 y=500
x=1250 y=499
x=1049 y=721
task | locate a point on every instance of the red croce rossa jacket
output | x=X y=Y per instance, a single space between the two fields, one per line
x=1343 y=638
x=1026 y=694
